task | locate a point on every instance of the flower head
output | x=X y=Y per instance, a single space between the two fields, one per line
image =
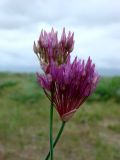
x=49 y=48
x=73 y=83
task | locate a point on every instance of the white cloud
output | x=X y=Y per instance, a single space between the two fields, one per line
x=96 y=25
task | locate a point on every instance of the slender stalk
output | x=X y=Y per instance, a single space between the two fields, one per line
x=51 y=131
x=57 y=138
x=51 y=123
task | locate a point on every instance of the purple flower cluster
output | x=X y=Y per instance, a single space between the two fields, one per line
x=73 y=81
x=50 y=48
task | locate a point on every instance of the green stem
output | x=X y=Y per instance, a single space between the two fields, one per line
x=51 y=131
x=57 y=138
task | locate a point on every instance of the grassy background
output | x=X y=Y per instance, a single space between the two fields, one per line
x=93 y=133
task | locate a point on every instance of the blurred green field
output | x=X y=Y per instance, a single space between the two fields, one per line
x=93 y=133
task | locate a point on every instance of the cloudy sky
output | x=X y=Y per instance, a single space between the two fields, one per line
x=96 y=24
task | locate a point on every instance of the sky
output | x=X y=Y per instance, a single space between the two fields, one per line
x=95 y=23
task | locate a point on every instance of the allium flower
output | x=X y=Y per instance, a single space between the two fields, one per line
x=66 y=84
x=73 y=83
x=49 y=48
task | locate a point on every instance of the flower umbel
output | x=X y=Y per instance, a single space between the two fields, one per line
x=74 y=82
x=49 y=48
